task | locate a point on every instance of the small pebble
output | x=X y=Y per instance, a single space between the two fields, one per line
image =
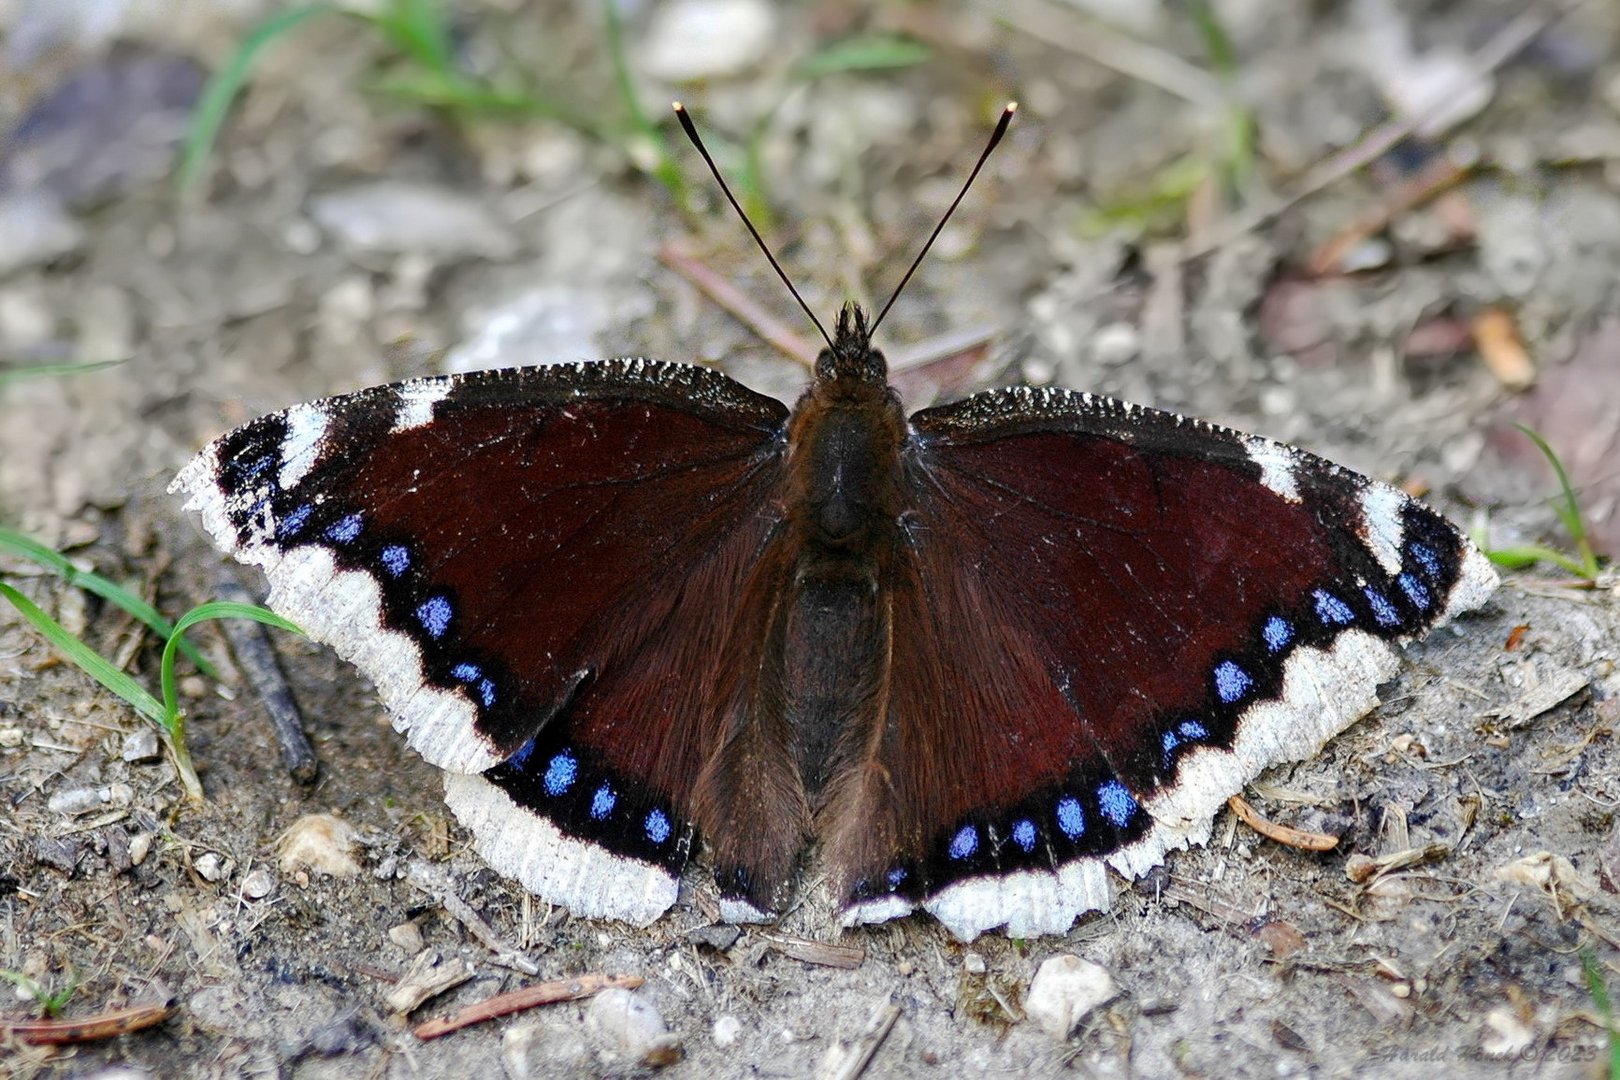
x=258 y=884
x=408 y=936
x=140 y=845
x=83 y=800
x=395 y=217
x=74 y=801
x=1116 y=344
x=320 y=842
x=627 y=1030
x=59 y=853
x=211 y=866
x=10 y=737
x=720 y=936
x=690 y=40
x=141 y=746
x=37 y=229
x=727 y=1030
x=973 y=964
x=1064 y=990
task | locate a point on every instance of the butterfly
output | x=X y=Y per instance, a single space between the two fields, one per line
x=967 y=658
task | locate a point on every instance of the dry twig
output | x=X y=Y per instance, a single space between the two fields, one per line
x=546 y=993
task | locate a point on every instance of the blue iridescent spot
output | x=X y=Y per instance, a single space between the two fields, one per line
x=1169 y=741
x=964 y=843
x=657 y=826
x=1023 y=834
x=294 y=523
x=561 y=774
x=1414 y=590
x=1071 y=818
x=486 y=692
x=1231 y=681
x=1277 y=632
x=1333 y=611
x=602 y=803
x=465 y=672
x=396 y=559
x=896 y=877
x=345 y=530
x=434 y=615
x=1193 y=731
x=254 y=468
x=1382 y=609
x=521 y=758
x=1426 y=558
x=1116 y=803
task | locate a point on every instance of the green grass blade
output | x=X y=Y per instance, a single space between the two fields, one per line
x=1567 y=507
x=420 y=30
x=45 y=371
x=867 y=52
x=172 y=719
x=664 y=168
x=85 y=657
x=99 y=586
x=1517 y=558
x=224 y=84
x=1599 y=990
x=215 y=609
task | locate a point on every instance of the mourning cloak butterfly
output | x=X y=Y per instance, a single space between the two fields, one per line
x=975 y=655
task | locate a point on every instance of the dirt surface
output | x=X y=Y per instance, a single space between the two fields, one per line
x=335 y=220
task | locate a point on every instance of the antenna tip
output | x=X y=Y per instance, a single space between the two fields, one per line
x=677 y=106
x=1012 y=107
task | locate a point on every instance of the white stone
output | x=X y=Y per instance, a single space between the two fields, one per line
x=141 y=746
x=727 y=1030
x=258 y=884
x=691 y=40
x=627 y=1030
x=1064 y=990
x=320 y=842
x=211 y=866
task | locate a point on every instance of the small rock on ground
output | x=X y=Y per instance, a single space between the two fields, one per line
x=627 y=1030
x=1064 y=990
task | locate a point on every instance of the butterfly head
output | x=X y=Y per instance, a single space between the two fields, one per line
x=852 y=356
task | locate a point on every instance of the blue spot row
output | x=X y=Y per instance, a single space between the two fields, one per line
x=396 y=559
x=474 y=677
x=345 y=530
x=1333 y=611
x=293 y=524
x=1277 y=632
x=1415 y=590
x=434 y=614
x=1071 y=817
x=1382 y=609
x=1427 y=558
x=1023 y=834
x=561 y=773
x=1231 y=682
x=1116 y=803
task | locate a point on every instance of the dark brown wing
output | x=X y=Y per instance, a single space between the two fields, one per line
x=1106 y=621
x=537 y=568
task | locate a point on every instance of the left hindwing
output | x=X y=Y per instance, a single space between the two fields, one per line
x=1107 y=620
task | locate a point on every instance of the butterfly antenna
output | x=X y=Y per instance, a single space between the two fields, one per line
x=691 y=133
x=995 y=138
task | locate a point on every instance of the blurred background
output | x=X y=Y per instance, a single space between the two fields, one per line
x=1386 y=230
